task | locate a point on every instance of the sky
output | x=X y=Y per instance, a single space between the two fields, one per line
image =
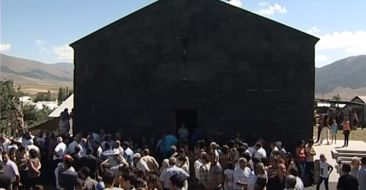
x=43 y=29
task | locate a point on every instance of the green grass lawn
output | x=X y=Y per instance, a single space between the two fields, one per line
x=358 y=134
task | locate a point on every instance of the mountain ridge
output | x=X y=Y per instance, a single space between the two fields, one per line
x=35 y=76
x=347 y=74
x=345 y=77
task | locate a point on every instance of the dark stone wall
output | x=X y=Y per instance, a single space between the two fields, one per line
x=241 y=72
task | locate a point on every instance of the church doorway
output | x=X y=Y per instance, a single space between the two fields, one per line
x=188 y=117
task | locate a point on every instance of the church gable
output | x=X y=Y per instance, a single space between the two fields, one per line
x=201 y=16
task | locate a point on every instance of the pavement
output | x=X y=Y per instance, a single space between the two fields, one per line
x=326 y=150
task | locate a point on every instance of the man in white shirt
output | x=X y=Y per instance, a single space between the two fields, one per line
x=11 y=169
x=4 y=143
x=118 y=147
x=5 y=180
x=274 y=149
x=241 y=175
x=128 y=154
x=150 y=161
x=213 y=150
x=140 y=164
x=59 y=150
x=259 y=151
x=197 y=165
x=172 y=170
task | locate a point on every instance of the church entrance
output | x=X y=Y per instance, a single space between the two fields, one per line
x=188 y=117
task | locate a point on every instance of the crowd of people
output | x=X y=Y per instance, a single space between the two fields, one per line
x=329 y=125
x=96 y=161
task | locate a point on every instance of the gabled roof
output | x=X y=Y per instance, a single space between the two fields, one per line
x=121 y=20
x=49 y=125
x=162 y=3
x=68 y=103
x=362 y=98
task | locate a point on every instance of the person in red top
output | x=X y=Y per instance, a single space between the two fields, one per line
x=346 y=130
x=300 y=158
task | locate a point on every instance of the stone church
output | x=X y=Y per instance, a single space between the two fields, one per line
x=201 y=63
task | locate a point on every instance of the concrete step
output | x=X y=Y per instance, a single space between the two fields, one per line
x=347 y=153
x=360 y=155
x=346 y=162
x=351 y=155
x=345 y=158
x=351 y=151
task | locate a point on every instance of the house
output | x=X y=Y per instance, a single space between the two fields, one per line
x=25 y=100
x=49 y=104
x=201 y=63
x=68 y=103
x=49 y=125
x=55 y=114
x=325 y=106
x=53 y=118
x=361 y=108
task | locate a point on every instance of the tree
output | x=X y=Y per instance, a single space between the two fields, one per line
x=49 y=96
x=336 y=97
x=67 y=91
x=30 y=114
x=9 y=96
x=12 y=116
x=9 y=107
x=43 y=96
x=63 y=93
x=33 y=117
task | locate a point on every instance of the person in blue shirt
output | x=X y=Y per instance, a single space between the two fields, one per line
x=333 y=131
x=164 y=145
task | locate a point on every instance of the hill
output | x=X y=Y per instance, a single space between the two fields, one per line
x=346 y=77
x=34 y=76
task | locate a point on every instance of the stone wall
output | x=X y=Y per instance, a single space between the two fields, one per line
x=240 y=71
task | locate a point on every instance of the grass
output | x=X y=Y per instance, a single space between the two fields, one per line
x=358 y=134
x=35 y=87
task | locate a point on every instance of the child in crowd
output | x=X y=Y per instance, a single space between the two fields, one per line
x=334 y=130
x=325 y=170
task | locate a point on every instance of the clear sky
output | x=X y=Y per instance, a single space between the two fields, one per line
x=42 y=29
